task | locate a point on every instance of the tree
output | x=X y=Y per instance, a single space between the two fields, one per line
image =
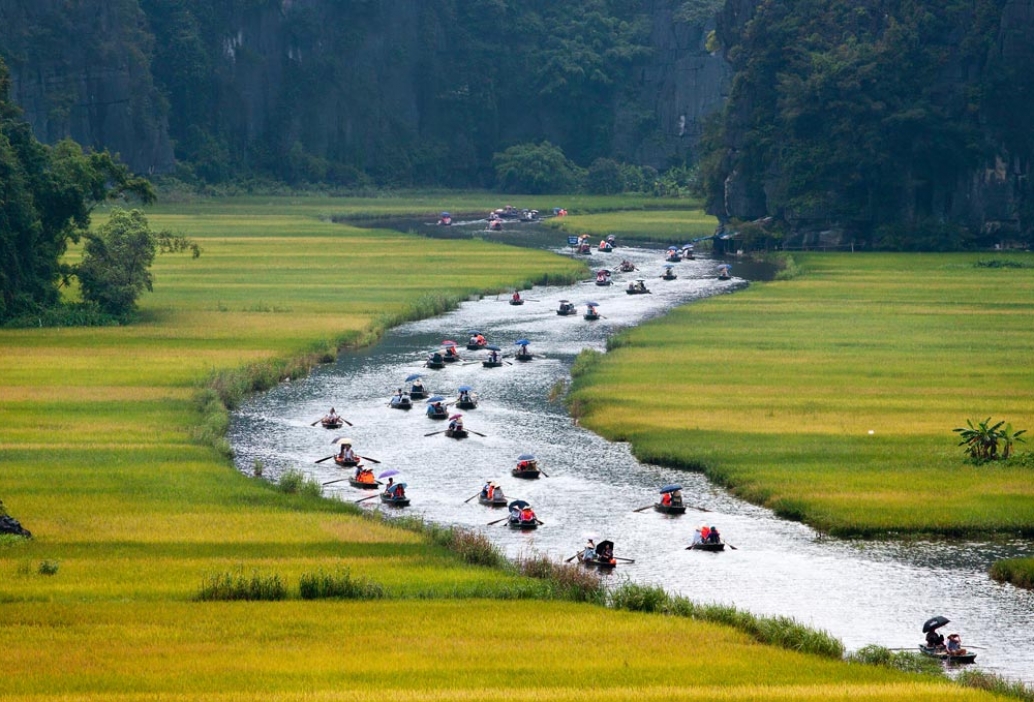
x=117 y=259
x=983 y=440
x=535 y=169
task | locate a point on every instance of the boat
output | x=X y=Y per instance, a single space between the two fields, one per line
x=708 y=546
x=600 y=557
x=626 y=267
x=605 y=247
x=346 y=462
x=395 y=495
x=332 y=423
x=672 y=504
x=491 y=364
x=673 y=255
x=444 y=219
x=466 y=399
x=527 y=467
x=516 y=301
x=603 y=282
x=363 y=484
x=522 y=356
x=724 y=272
x=637 y=288
x=566 y=308
x=591 y=314
x=417 y=392
x=451 y=357
x=514 y=520
x=402 y=402
x=456 y=433
x=612 y=240
x=497 y=500
x=669 y=275
x=435 y=408
x=435 y=361
x=476 y=340
x=943 y=655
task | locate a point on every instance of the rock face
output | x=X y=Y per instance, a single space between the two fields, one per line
x=949 y=159
x=388 y=89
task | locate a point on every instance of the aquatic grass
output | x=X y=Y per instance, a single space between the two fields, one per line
x=791 y=377
x=341 y=585
x=905 y=661
x=227 y=587
x=1015 y=571
x=997 y=684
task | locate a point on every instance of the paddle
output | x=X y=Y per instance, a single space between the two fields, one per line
x=316 y=422
x=642 y=508
x=371 y=460
x=572 y=558
x=478 y=433
x=627 y=560
x=544 y=475
x=367 y=498
x=540 y=522
x=472 y=497
x=327 y=458
x=436 y=432
x=331 y=482
x=499 y=520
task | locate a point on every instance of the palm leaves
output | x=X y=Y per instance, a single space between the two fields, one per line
x=986 y=442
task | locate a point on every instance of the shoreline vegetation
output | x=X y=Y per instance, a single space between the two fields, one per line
x=831 y=397
x=131 y=513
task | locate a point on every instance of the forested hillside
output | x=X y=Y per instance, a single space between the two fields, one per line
x=391 y=92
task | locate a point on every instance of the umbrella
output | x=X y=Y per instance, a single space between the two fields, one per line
x=518 y=504
x=446 y=214
x=673 y=248
x=526 y=457
x=493 y=347
x=411 y=378
x=466 y=388
x=456 y=416
x=448 y=342
x=395 y=486
x=341 y=440
x=726 y=266
x=593 y=304
x=521 y=342
x=436 y=398
x=473 y=332
x=670 y=488
x=388 y=473
x=934 y=623
x=669 y=265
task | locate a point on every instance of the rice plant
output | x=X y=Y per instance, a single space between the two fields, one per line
x=341 y=585
x=237 y=586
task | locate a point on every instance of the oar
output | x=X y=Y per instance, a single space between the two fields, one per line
x=316 y=422
x=540 y=522
x=544 y=475
x=436 y=432
x=478 y=433
x=642 y=508
x=331 y=482
x=371 y=460
x=367 y=498
x=472 y=497
x=627 y=560
x=327 y=458
x=572 y=558
x=499 y=520
x=731 y=546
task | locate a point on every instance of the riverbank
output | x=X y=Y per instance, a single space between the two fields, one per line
x=831 y=398
x=131 y=514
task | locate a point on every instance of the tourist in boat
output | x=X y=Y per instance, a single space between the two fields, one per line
x=347 y=454
x=464 y=397
x=387 y=487
x=493 y=356
x=436 y=358
x=435 y=409
x=516 y=297
x=332 y=417
x=713 y=537
x=417 y=387
x=676 y=498
x=935 y=640
x=666 y=499
x=527 y=514
x=705 y=531
x=589 y=551
x=451 y=353
x=526 y=464
x=456 y=423
x=605 y=552
x=954 y=645
x=697 y=538
x=364 y=474
x=523 y=352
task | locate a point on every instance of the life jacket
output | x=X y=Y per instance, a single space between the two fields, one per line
x=704 y=533
x=666 y=499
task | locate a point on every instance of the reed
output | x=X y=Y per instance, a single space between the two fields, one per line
x=996 y=684
x=341 y=586
x=226 y=587
x=1015 y=571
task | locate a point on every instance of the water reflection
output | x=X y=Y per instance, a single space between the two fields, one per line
x=862 y=592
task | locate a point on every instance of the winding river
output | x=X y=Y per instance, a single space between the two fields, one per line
x=861 y=591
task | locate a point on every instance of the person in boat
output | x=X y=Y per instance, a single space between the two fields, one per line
x=436 y=357
x=713 y=537
x=493 y=356
x=666 y=499
x=387 y=487
x=434 y=409
x=935 y=640
x=332 y=417
x=464 y=397
x=450 y=352
x=697 y=538
x=480 y=339
x=527 y=514
x=516 y=297
x=605 y=553
x=526 y=465
x=347 y=454
x=364 y=474
x=705 y=532
x=395 y=491
x=456 y=424
x=589 y=551
x=954 y=645
x=399 y=394
x=522 y=351
x=486 y=490
x=418 y=386
x=592 y=310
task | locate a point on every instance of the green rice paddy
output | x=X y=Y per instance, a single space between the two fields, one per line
x=832 y=397
x=131 y=514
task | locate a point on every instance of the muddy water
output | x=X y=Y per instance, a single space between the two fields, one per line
x=862 y=592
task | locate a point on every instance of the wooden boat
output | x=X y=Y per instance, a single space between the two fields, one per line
x=466 y=405
x=591 y=316
x=432 y=413
x=516 y=302
x=636 y=290
x=498 y=500
x=417 y=393
x=566 y=308
x=515 y=523
x=456 y=433
x=401 y=402
x=627 y=267
x=346 y=463
x=673 y=257
x=363 y=485
x=602 y=557
x=605 y=248
x=523 y=357
x=433 y=364
x=669 y=509
x=724 y=276
x=603 y=282
x=394 y=501
x=474 y=346
x=333 y=424
x=669 y=276
x=530 y=473
x=943 y=655
x=709 y=546
x=491 y=364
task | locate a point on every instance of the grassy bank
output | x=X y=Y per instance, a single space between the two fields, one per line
x=132 y=515
x=672 y=226
x=779 y=386
x=1018 y=571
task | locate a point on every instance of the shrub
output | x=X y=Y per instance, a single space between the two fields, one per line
x=986 y=442
x=47 y=568
x=295 y=482
x=907 y=661
x=342 y=586
x=236 y=586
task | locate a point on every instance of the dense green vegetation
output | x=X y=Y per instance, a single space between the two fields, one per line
x=868 y=116
x=133 y=520
x=831 y=397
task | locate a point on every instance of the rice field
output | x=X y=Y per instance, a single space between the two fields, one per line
x=670 y=226
x=130 y=513
x=832 y=397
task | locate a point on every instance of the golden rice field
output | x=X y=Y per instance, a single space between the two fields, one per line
x=665 y=225
x=775 y=390
x=130 y=514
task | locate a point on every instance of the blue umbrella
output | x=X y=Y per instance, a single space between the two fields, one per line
x=521 y=342
x=670 y=488
x=411 y=378
x=473 y=332
x=436 y=398
x=446 y=214
x=388 y=473
x=395 y=487
x=466 y=388
x=673 y=248
x=518 y=505
x=593 y=304
x=669 y=265
x=493 y=347
x=526 y=457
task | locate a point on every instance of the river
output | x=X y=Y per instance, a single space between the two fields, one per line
x=860 y=591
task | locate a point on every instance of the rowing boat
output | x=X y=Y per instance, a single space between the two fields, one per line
x=491 y=364
x=394 y=500
x=602 y=556
x=346 y=462
x=401 y=402
x=709 y=546
x=943 y=655
x=498 y=500
x=456 y=433
x=332 y=424
x=362 y=484
x=669 y=509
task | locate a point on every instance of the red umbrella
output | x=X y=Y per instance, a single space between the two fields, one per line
x=456 y=416
x=448 y=342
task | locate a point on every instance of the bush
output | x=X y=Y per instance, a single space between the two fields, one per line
x=235 y=586
x=604 y=177
x=47 y=568
x=342 y=586
x=295 y=482
x=535 y=169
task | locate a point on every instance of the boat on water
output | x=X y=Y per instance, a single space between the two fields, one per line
x=477 y=341
x=395 y=495
x=521 y=516
x=491 y=364
x=713 y=546
x=605 y=247
x=363 y=484
x=457 y=433
x=601 y=556
x=671 y=500
x=435 y=408
x=516 y=301
x=435 y=361
x=724 y=272
x=590 y=311
x=637 y=288
x=566 y=308
x=401 y=402
x=466 y=399
x=522 y=354
x=332 y=423
x=673 y=255
x=669 y=272
x=944 y=655
x=626 y=267
x=527 y=467
x=496 y=500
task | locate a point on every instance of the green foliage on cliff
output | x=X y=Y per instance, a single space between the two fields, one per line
x=870 y=114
